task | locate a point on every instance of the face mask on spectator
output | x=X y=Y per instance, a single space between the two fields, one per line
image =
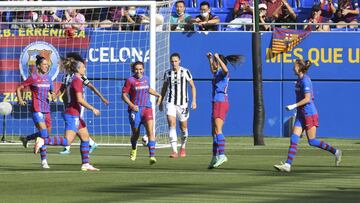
x=179 y=14
x=205 y=14
x=132 y=12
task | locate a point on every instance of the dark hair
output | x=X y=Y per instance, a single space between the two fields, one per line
x=205 y=3
x=234 y=60
x=39 y=59
x=175 y=54
x=314 y=9
x=135 y=64
x=180 y=1
x=304 y=65
x=75 y=56
x=70 y=65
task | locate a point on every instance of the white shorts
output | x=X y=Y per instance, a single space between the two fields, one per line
x=179 y=112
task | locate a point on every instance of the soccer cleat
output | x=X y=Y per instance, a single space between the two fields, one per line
x=92 y=148
x=174 y=155
x=133 y=154
x=44 y=164
x=220 y=160
x=88 y=167
x=212 y=162
x=152 y=160
x=65 y=152
x=338 y=156
x=24 y=141
x=283 y=167
x=38 y=144
x=182 y=152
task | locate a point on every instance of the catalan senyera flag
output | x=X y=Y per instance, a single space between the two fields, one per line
x=284 y=40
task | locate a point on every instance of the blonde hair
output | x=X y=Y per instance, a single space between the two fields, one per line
x=70 y=65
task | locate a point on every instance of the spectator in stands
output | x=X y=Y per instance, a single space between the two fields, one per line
x=130 y=20
x=206 y=20
x=75 y=19
x=243 y=13
x=47 y=18
x=347 y=12
x=328 y=8
x=287 y=15
x=263 y=18
x=273 y=8
x=316 y=18
x=181 y=21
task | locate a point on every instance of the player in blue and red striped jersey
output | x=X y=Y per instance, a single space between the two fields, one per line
x=136 y=93
x=74 y=124
x=40 y=84
x=220 y=103
x=306 y=117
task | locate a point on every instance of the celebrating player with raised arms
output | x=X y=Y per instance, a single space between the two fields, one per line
x=66 y=80
x=136 y=93
x=176 y=82
x=306 y=117
x=40 y=85
x=220 y=103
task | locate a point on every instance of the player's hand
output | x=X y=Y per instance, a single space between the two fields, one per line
x=158 y=102
x=105 y=101
x=161 y=107
x=209 y=55
x=193 y=105
x=96 y=112
x=22 y=103
x=135 y=108
x=53 y=96
x=291 y=107
x=216 y=55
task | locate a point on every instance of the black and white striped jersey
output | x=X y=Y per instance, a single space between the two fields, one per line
x=67 y=79
x=177 y=92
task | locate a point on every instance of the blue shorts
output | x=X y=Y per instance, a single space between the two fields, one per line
x=40 y=117
x=74 y=123
x=142 y=116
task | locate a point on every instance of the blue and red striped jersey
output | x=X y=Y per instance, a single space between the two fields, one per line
x=138 y=89
x=220 y=85
x=73 y=106
x=304 y=85
x=40 y=86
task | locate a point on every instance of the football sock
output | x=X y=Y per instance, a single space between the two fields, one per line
x=322 y=145
x=184 y=137
x=221 y=143
x=151 y=147
x=91 y=141
x=43 y=153
x=294 y=139
x=56 y=140
x=133 y=143
x=84 y=150
x=215 y=146
x=173 y=139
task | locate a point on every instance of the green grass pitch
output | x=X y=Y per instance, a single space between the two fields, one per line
x=248 y=176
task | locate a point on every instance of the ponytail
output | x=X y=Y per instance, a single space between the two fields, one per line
x=304 y=65
x=234 y=60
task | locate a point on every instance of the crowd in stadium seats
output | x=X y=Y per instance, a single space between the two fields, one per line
x=201 y=15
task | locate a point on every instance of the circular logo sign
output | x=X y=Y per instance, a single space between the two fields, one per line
x=28 y=58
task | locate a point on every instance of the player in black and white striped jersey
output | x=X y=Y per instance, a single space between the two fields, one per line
x=66 y=81
x=176 y=81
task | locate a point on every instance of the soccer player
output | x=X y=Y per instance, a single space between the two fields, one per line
x=74 y=124
x=176 y=82
x=66 y=80
x=40 y=84
x=220 y=103
x=306 y=117
x=140 y=112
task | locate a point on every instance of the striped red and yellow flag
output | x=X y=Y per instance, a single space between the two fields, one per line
x=284 y=40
